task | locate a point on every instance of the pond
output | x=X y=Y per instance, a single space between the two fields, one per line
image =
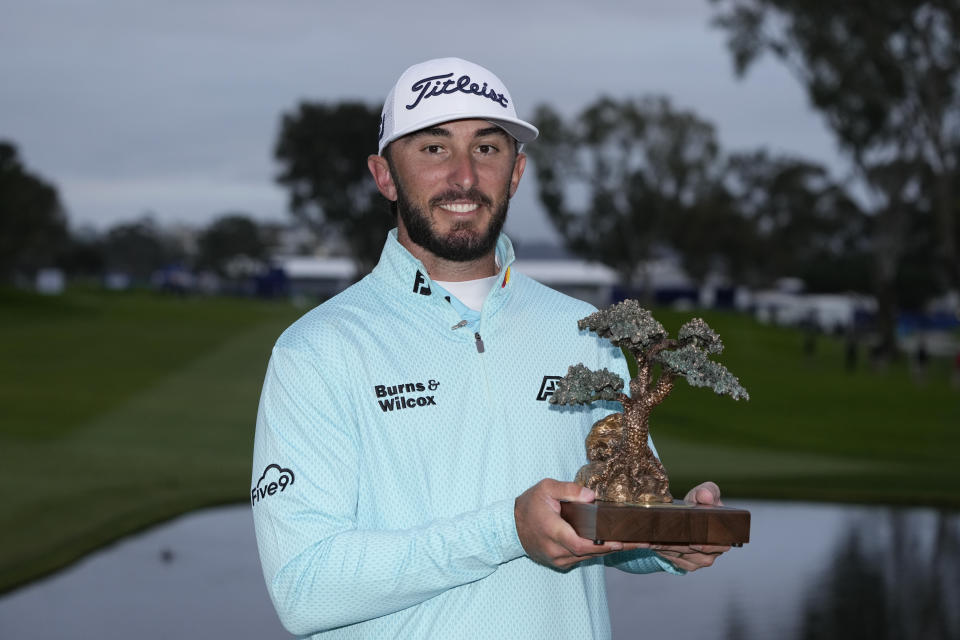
x=811 y=571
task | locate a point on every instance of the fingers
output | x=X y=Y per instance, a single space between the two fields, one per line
x=579 y=549
x=567 y=548
x=688 y=562
x=571 y=549
x=569 y=491
x=548 y=538
x=690 y=558
x=704 y=493
x=707 y=549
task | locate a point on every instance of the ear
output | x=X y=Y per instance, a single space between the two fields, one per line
x=518 y=166
x=381 y=175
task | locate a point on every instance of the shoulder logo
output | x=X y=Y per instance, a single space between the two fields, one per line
x=275 y=478
x=548 y=386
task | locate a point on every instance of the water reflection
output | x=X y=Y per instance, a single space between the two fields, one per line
x=736 y=624
x=195 y=577
x=811 y=571
x=893 y=575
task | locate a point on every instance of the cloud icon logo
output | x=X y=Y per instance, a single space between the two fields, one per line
x=275 y=479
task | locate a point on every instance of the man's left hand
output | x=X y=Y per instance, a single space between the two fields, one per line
x=697 y=556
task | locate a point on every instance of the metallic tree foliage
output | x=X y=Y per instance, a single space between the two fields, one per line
x=622 y=466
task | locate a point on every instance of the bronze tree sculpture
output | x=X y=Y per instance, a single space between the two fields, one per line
x=622 y=466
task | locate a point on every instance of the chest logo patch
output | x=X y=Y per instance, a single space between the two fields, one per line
x=547 y=387
x=405 y=395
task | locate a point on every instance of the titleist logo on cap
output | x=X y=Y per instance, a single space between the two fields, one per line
x=446 y=89
x=441 y=85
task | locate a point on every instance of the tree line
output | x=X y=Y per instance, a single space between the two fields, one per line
x=622 y=181
x=34 y=234
x=627 y=179
x=885 y=75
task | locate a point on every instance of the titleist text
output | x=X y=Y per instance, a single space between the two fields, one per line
x=441 y=85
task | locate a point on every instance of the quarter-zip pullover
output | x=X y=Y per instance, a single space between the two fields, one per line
x=395 y=431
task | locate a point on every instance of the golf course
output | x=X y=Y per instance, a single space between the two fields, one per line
x=122 y=410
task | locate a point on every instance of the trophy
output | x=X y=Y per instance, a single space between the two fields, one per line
x=633 y=502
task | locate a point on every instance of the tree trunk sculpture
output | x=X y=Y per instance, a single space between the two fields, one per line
x=623 y=467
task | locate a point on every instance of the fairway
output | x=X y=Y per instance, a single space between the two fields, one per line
x=812 y=430
x=120 y=411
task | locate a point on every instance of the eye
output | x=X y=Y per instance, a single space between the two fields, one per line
x=486 y=149
x=433 y=148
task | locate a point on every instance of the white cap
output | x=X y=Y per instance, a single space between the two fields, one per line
x=448 y=89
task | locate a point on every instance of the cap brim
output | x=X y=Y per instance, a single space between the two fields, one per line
x=523 y=132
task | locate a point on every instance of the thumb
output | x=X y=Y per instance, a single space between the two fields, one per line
x=704 y=493
x=585 y=495
x=572 y=492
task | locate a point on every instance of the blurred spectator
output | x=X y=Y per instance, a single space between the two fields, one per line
x=956 y=371
x=851 y=352
x=920 y=360
x=809 y=335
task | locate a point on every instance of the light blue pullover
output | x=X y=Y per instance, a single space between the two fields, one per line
x=392 y=440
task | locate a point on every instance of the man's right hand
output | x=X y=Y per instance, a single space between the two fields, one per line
x=549 y=539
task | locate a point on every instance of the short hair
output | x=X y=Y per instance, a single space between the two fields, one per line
x=386 y=156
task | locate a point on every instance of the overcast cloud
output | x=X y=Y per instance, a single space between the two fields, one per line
x=173 y=107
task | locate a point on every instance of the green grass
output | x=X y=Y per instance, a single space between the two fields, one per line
x=117 y=412
x=121 y=411
x=812 y=429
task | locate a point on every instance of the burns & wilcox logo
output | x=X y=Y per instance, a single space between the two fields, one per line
x=394 y=397
x=275 y=478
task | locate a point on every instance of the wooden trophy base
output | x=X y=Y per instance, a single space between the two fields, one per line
x=674 y=523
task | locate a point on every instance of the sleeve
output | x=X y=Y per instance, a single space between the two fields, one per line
x=321 y=570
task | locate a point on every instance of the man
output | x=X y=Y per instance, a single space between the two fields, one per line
x=407 y=466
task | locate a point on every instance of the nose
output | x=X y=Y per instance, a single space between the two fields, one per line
x=463 y=171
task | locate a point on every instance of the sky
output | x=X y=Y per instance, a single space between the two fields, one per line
x=172 y=108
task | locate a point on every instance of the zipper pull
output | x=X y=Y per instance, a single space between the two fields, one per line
x=460 y=324
x=479 y=342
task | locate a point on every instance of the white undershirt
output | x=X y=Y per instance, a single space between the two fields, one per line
x=471 y=293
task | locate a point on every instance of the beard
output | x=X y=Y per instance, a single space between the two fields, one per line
x=464 y=242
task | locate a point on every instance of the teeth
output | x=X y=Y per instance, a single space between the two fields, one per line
x=460 y=208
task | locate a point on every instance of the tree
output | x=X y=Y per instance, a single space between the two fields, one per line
x=137 y=248
x=622 y=467
x=613 y=178
x=886 y=76
x=228 y=238
x=803 y=223
x=83 y=254
x=713 y=236
x=323 y=151
x=33 y=223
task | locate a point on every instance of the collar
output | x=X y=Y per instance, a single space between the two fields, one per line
x=405 y=279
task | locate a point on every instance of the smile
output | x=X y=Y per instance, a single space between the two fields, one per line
x=460 y=208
